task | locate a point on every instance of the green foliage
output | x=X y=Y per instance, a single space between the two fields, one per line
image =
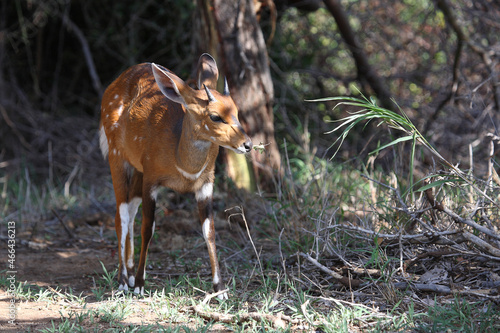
x=105 y=284
x=462 y=316
x=400 y=122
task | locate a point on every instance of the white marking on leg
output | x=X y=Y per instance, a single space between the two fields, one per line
x=132 y=211
x=131 y=281
x=125 y=218
x=103 y=142
x=207 y=230
x=205 y=192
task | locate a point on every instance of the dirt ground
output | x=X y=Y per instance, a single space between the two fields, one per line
x=62 y=258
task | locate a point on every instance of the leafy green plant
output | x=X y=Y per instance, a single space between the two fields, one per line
x=370 y=111
x=109 y=278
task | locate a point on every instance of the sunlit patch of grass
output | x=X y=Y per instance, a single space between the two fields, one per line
x=114 y=311
x=31 y=292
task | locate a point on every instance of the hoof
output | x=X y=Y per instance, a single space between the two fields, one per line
x=123 y=287
x=223 y=296
x=139 y=291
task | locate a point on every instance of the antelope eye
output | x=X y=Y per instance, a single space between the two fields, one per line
x=215 y=118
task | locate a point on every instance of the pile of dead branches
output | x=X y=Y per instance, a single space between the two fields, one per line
x=441 y=247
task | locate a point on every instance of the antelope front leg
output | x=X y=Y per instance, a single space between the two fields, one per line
x=147 y=231
x=204 y=199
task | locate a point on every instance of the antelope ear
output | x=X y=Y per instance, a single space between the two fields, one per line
x=207 y=72
x=170 y=84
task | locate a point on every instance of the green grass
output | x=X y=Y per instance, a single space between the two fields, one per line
x=338 y=318
x=461 y=315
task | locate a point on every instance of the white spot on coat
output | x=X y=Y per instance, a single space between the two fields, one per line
x=119 y=110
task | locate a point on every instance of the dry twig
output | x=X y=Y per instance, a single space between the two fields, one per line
x=278 y=321
x=345 y=281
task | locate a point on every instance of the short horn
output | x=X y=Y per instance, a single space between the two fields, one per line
x=211 y=97
x=226 y=87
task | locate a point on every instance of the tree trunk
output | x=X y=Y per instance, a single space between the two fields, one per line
x=230 y=32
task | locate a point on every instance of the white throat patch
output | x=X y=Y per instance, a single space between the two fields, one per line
x=192 y=176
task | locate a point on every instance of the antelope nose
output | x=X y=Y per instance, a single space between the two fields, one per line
x=248 y=145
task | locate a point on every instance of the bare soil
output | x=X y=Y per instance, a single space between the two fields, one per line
x=51 y=257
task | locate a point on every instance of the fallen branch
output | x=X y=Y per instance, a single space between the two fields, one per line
x=345 y=281
x=471 y=223
x=65 y=227
x=437 y=288
x=482 y=244
x=434 y=237
x=278 y=321
x=457 y=218
x=424 y=255
x=365 y=271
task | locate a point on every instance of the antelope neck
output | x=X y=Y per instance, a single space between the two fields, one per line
x=192 y=155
